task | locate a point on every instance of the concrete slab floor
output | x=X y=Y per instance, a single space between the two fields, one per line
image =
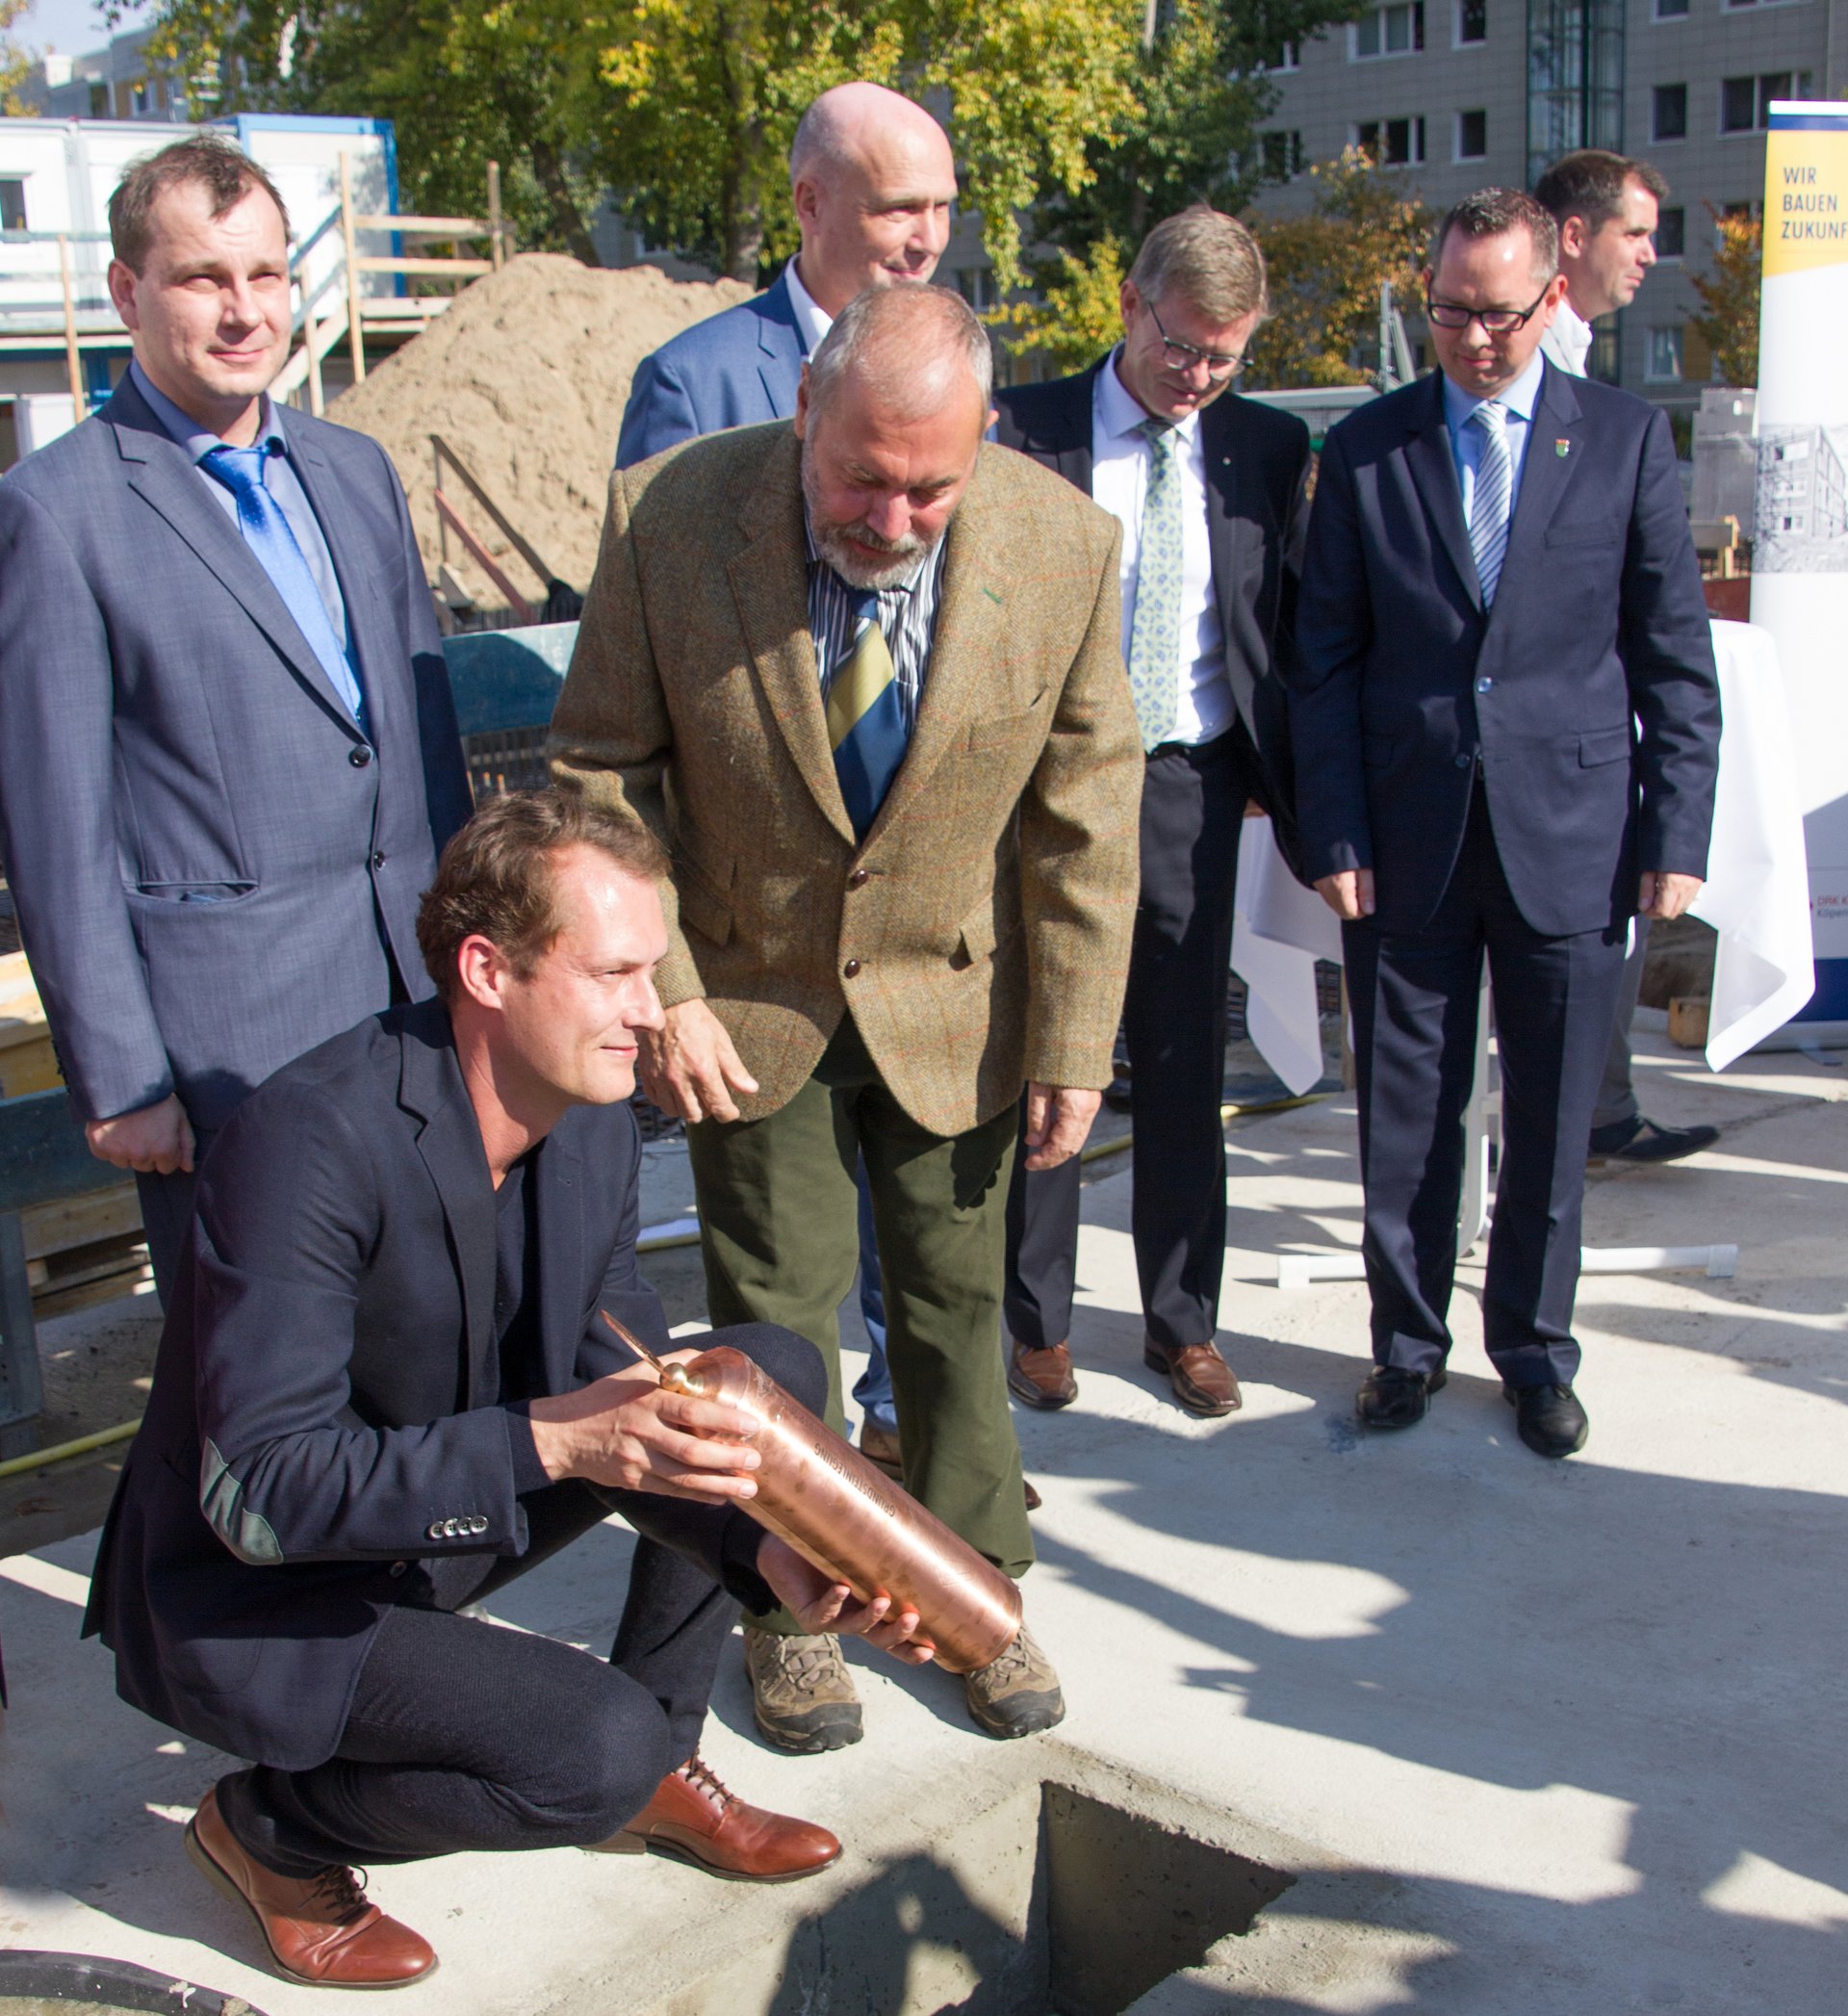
x=1537 y=1737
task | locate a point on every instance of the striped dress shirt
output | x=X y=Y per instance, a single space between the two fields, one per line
x=907 y=614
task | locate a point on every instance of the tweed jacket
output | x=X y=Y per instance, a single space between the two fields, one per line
x=980 y=934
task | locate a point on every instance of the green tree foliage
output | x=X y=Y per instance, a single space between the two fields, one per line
x=1325 y=270
x=1730 y=294
x=686 y=107
x=15 y=62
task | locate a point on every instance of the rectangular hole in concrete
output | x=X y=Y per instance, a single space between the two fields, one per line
x=1050 y=1902
x=1130 y=1901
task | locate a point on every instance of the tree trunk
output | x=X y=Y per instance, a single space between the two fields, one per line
x=567 y=219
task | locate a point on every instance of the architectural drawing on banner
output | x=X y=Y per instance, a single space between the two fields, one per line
x=1802 y=501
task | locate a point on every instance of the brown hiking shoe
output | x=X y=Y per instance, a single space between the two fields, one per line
x=320 y=1928
x=1016 y=1694
x=801 y=1691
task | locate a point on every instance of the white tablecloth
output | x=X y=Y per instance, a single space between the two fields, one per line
x=1758 y=888
x=1756 y=897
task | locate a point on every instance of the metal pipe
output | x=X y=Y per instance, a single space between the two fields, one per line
x=352 y=267
x=80 y=1445
x=72 y=357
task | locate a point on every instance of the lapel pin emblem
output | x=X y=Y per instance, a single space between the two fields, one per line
x=1562 y=448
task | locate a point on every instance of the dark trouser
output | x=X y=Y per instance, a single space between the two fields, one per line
x=1617 y=1094
x=167 y=1218
x=778 y=1229
x=463 y=1736
x=1174 y=1020
x=1414 y=1002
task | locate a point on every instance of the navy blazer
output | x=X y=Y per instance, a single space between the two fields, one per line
x=1257 y=472
x=326 y=1414
x=203 y=847
x=737 y=367
x=1588 y=692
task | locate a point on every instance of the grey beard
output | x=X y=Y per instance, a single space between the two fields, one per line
x=852 y=569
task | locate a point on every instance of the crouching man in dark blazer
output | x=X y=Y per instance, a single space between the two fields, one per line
x=385 y=1389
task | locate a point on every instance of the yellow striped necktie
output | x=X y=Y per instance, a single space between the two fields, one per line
x=865 y=723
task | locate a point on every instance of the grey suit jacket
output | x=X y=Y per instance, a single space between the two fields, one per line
x=733 y=370
x=213 y=870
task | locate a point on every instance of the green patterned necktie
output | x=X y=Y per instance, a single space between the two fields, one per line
x=1155 y=630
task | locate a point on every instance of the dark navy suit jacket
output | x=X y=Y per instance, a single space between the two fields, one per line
x=1588 y=692
x=326 y=1417
x=213 y=868
x=733 y=370
x=1257 y=468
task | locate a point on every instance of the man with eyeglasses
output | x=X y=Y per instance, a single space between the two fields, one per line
x=1507 y=722
x=1210 y=491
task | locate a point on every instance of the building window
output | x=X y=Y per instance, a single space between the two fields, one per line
x=1390 y=31
x=12 y=202
x=1662 y=358
x=1472 y=21
x=1671 y=9
x=1392 y=142
x=976 y=285
x=1669 y=113
x=1745 y=102
x=1285 y=56
x=1280 y=156
x=1471 y=134
x=100 y=101
x=1670 y=234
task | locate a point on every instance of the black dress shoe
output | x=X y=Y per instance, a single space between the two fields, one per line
x=1549 y=1420
x=1640 y=1140
x=1394 y=1398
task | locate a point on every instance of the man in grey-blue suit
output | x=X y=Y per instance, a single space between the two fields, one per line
x=228 y=753
x=872 y=179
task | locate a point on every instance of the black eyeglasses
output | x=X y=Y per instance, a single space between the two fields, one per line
x=1498 y=322
x=1183 y=356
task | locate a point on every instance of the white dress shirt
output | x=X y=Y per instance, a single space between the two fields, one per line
x=1119 y=455
x=812 y=325
x=1567 y=341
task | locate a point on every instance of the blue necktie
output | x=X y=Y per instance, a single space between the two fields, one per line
x=266 y=534
x=1488 y=507
x=865 y=723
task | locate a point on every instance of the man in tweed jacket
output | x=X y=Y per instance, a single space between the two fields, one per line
x=878 y=978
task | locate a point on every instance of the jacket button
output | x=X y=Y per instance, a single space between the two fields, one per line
x=1463 y=761
x=1483 y=684
x=359 y=758
x=858 y=879
x=398 y=1567
x=477 y=1524
x=378 y=861
x=851 y=968
x=436 y=1529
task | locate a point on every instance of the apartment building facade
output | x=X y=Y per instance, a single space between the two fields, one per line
x=1454 y=94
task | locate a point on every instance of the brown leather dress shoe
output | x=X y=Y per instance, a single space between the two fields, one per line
x=1203 y=1381
x=320 y=1928
x=880 y=1447
x=1041 y=1378
x=693 y=1818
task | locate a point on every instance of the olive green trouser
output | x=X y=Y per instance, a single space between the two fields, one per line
x=778 y=1231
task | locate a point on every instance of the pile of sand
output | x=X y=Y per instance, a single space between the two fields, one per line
x=525 y=378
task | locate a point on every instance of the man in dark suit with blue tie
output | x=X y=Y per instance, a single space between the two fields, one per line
x=228 y=753
x=1507 y=722
x=872 y=180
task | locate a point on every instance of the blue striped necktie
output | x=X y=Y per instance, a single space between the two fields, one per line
x=1488 y=507
x=865 y=723
x=266 y=534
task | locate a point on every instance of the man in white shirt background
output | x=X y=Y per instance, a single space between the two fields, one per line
x=1607 y=209
x=1209 y=489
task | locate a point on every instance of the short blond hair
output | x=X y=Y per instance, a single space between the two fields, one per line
x=1206 y=258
